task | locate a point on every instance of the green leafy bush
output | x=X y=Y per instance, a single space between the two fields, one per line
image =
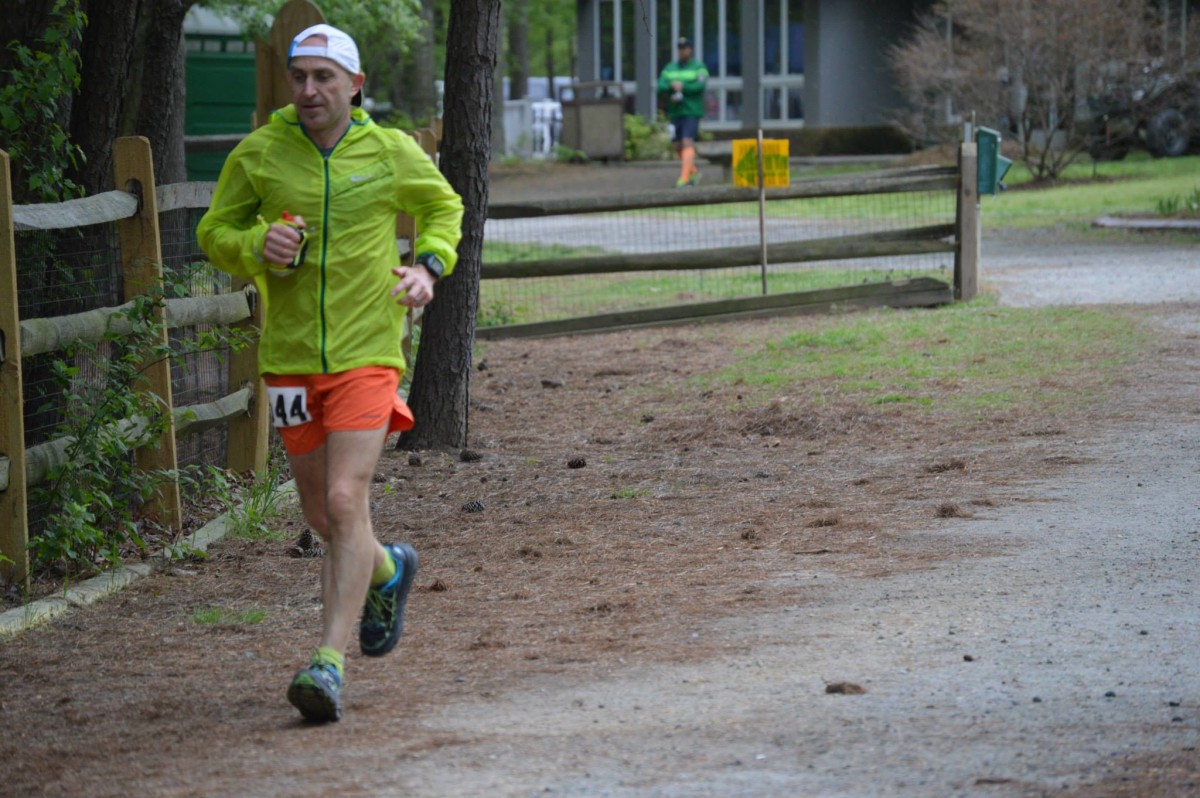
x=96 y=492
x=647 y=141
x=31 y=101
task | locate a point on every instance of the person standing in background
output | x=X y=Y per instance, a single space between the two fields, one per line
x=684 y=81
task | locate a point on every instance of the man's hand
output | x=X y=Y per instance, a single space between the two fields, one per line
x=282 y=241
x=415 y=288
x=676 y=85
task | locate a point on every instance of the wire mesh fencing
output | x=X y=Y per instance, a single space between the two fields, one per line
x=75 y=270
x=589 y=240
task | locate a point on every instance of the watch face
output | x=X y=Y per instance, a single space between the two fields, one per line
x=434 y=265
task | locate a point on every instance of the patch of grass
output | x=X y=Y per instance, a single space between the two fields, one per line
x=1132 y=186
x=604 y=293
x=220 y=616
x=1176 y=205
x=962 y=359
x=505 y=251
x=630 y=493
x=251 y=506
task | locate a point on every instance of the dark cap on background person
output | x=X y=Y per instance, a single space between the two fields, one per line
x=683 y=42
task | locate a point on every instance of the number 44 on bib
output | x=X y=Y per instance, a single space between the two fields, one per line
x=289 y=406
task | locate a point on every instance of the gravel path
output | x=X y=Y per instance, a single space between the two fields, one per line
x=1038 y=268
x=1024 y=674
x=1065 y=665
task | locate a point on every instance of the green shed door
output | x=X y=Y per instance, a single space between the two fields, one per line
x=220 y=99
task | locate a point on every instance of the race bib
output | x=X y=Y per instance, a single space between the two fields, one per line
x=289 y=405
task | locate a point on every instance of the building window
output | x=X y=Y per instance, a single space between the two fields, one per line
x=733 y=105
x=629 y=19
x=733 y=39
x=783 y=37
x=608 y=40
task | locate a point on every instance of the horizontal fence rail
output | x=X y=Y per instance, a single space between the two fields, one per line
x=137 y=264
x=54 y=334
x=884 y=181
x=550 y=263
x=911 y=241
x=714 y=235
x=112 y=206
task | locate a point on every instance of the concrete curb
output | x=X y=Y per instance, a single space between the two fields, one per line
x=1126 y=223
x=20 y=619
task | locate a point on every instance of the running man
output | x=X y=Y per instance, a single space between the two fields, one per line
x=335 y=296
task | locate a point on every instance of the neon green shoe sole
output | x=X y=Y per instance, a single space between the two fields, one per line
x=317 y=692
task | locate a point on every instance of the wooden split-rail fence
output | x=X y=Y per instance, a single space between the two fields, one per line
x=960 y=237
x=135 y=207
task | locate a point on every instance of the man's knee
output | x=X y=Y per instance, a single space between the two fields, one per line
x=345 y=502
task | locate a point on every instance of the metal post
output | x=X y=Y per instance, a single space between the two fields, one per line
x=762 y=212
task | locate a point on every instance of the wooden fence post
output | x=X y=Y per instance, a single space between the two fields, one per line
x=248 y=436
x=141 y=262
x=14 y=517
x=966 y=258
x=270 y=56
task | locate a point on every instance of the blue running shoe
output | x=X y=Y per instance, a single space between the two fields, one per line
x=317 y=692
x=383 y=615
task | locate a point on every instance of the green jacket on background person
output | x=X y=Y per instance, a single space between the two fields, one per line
x=694 y=77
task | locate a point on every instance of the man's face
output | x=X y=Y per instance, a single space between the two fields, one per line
x=685 y=53
x=321 y=90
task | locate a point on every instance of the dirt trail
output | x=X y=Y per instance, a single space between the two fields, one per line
x=669 y=619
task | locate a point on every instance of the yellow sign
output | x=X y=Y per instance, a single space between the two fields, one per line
x=775 y=163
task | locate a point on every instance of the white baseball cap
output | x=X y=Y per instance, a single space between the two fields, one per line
x=339 y=47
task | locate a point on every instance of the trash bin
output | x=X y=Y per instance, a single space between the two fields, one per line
x=593 y=120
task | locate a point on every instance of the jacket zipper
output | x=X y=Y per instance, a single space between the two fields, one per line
x=325 y=244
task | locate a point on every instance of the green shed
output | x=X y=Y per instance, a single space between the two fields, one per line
x=220 y=85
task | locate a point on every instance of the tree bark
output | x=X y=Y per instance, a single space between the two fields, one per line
x=518 y=50
x=442 y=379
x=160 y=114
x=107 y=54
x=24 y=21
x=132 y=84
x=413 y=91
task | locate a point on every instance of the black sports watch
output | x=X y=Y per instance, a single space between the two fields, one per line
x=432 y=265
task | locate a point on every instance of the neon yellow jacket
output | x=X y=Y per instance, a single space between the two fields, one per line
x=335 y=312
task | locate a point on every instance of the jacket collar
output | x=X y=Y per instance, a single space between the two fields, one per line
x=360 y=120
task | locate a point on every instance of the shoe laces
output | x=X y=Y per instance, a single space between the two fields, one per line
x=376 y=608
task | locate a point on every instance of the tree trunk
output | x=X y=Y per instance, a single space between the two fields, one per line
x=518 y=50
x=442 y=380
x=498 y=143
x=24 y=21
x=551 y=92
x=160 y=114
x=107 y=55
x=413 y=91
x=132 y=83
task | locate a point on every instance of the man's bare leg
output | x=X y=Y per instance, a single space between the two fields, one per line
x=334 y=483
